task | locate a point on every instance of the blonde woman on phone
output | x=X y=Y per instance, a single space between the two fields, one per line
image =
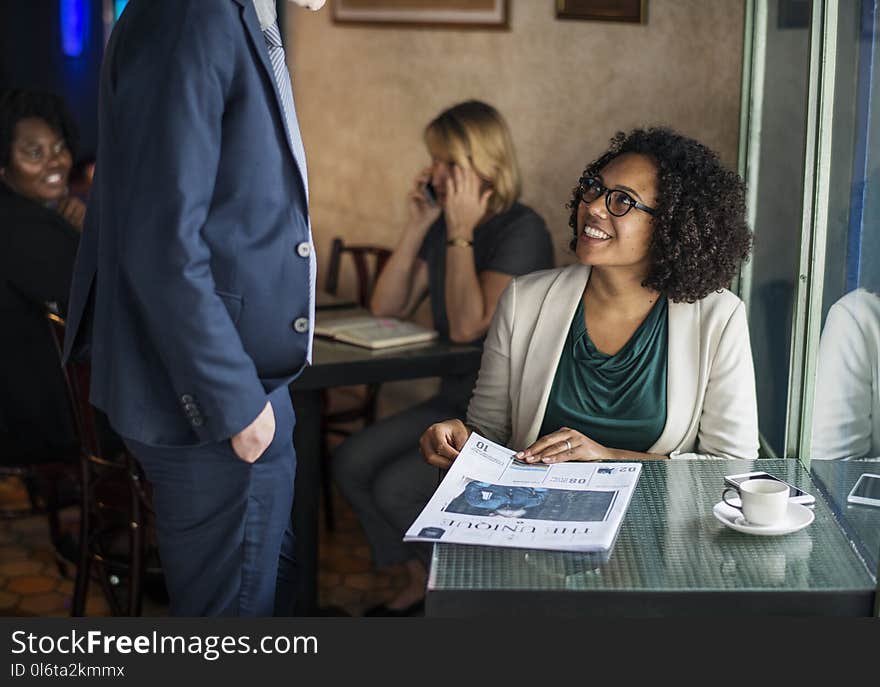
x=467 y=236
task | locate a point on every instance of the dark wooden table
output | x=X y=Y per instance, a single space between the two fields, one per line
x=672 y=557
x=338 y=364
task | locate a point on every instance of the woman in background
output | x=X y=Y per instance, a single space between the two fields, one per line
x=637 y=351
x=467 y=236
x=37 y=146
x=40 y=224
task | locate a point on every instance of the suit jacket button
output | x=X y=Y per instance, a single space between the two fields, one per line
x=197 y=421
x=303 y=249
x=186 y=398
x=301 y=325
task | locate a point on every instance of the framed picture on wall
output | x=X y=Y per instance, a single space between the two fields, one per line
x=458 y=13
x=634 y=11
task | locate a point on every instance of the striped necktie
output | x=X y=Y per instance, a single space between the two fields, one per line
x=282 y=81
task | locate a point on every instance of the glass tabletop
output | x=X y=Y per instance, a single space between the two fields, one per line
x=861 y=523
x=670 y=540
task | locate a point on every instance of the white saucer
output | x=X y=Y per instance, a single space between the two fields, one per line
x=796 y=518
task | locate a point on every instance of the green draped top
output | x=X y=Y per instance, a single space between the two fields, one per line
x=617 y=400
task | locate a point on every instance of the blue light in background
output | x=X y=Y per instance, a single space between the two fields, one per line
x=74 y=18
x=119 y=5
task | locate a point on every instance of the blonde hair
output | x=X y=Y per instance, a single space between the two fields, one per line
x=474 y=134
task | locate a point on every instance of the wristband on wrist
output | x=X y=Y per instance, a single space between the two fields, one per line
x=458 y=241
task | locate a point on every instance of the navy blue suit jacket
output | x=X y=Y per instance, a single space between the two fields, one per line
x=191 y=270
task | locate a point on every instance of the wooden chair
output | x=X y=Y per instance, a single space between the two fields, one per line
x=361 y=257
x=48 y=474
x=114 y=502
x=368 y=262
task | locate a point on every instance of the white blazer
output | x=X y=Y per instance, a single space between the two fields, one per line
x=846 y=419
x=711 y=406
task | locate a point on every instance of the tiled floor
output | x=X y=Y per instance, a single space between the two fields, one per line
x=31 y=584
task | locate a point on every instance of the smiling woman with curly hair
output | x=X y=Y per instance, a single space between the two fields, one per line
x=699 y=233
x=637 y=351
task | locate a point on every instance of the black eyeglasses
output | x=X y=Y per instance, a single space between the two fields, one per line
x=618 y=202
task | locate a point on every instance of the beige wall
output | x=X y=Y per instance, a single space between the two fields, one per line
x=364 y=95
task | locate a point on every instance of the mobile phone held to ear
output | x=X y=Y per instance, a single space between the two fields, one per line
x=795 y=494
x=430 y=194
x=866 y=491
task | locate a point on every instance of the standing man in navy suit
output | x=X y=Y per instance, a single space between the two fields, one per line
x=194 y=289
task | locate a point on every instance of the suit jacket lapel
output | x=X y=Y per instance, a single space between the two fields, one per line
x=545 y=349
x=682 y=375
x=255 y=33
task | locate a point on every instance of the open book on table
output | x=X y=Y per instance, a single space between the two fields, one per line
x=374 y=332
x=490 y=498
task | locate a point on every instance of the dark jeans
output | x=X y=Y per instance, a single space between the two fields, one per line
x=383 y=476
x=224 y=527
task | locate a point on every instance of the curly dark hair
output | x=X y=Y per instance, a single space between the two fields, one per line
x=700 y=236
x=17 y=104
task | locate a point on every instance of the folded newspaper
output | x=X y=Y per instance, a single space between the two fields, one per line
x=490 y=498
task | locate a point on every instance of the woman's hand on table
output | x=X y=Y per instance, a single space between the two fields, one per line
x=422 y=214
x=564 y=445
x=442 y=442
x=466 y=202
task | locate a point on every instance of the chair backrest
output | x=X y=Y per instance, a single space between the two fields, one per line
x=361 y=256
x=76 y=382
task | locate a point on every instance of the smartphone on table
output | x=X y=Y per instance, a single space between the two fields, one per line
x=866 y=491
x=795 y=494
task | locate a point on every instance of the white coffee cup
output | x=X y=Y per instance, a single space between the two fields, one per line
x=764 y=501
